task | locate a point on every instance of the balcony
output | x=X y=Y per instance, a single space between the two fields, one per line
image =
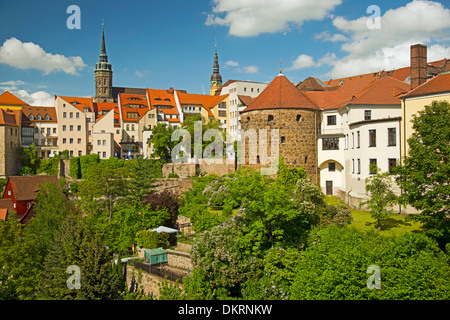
x=332 y=130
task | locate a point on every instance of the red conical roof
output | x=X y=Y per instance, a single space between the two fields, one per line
x=281 y=94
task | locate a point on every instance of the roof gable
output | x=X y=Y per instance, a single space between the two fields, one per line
x=27 y=187
x=438 y=84
x=8 y=99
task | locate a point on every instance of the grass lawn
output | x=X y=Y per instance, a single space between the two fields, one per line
x=395 y=225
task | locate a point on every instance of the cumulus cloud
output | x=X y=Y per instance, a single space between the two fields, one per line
x=231 y=63
x=11 y=85
x=305 y=61
x=39 y=98
x=28 y=55
x=245 y=69
x=326 y=36
x=250 y=69
x=247 y=18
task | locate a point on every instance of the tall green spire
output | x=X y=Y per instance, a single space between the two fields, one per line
x=103 y=55
x=216 y=78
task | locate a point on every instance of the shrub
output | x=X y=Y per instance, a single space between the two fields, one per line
x=86 y=161
x=173 y=175
x=151 y=239
x=334 y=266
x=74 y=186
x=75 y=169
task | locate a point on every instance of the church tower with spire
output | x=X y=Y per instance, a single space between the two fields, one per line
x=216 y=78
x=103 y=75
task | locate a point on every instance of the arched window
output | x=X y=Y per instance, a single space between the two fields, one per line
x=47 y=117
x=248 y=119
x=39 y=117
x=270 y=117
x=299 y=116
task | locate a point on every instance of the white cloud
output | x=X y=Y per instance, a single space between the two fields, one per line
x=11 y=85
x=39 y=98
x=370 y=50
x=27 y=55
x=231 y=63
x=141 y=74
x=247 y=18
x=250 y=69
x=326 y=36
x=303 y=61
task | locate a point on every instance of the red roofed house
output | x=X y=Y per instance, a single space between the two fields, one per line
x=21 y=191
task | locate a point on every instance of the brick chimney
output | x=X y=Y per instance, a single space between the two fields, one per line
x=418 y=71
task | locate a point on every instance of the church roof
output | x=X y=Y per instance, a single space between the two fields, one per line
x=281 y=94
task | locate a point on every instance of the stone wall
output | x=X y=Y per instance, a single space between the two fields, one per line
x=178 y=259
x=298 y=131
x=138 y=280
x=176 y=185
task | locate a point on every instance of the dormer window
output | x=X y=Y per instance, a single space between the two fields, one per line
x=47 y=117
x=31 y=117
x=39 y=117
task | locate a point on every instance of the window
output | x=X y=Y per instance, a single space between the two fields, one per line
x=104 y=154
x=78 y=115
x=49 y=130
x=132 y=115
x=71 y=140
x=79 y=140
x=331 y=166
x=36 y=130
x=353 y=165
x=367 y=115
x=392 y=163
x=71 y=128
x=47 y=117
x=71 y=153
x=79 y=153
x=71 y=115
x=64 y=114
x=128 y=127
x=79 y=128
x=104 y=142
x=299 y=117
x=64 y=140
x=132 y=127
x=89 y=132
x=31 y=117
x=64 y=127
x=42 y=130
x=358 y=139
x=330 y=143
x=372 y=138
x=359 y=166
x=392 y=139
x=283 y=139
x=54 y=130
x=39 y=117
x=99 y=142
x=270 y=118
x=353 y=140
x=331 y=120
x=372 y=166
x=245 y=89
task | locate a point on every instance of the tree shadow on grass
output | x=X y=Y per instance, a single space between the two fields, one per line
x=389 y=223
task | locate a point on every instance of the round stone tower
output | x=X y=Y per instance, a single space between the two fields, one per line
x=282 y=106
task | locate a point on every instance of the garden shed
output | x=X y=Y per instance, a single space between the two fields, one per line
x=154 y=256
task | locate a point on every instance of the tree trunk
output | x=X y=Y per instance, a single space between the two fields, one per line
x=379 y=225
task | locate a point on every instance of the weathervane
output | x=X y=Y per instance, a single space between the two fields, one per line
x=280 y=65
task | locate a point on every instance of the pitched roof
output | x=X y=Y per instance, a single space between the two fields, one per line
x=43 y=111
x=104 y=107
x=246 y=100
x=80 y=103
x=207 y=101
x=438 y=84
x=5 y=207
x=8 y=99
x=132 y=104
x=312 y=84
x=164 y=99
x=10 y=117
x=281 y=94
x=386 y=90
x=27 y=187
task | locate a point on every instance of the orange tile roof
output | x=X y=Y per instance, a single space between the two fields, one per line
x=383 y=91
x=27 y=187
x=207 y=101
x=164 y=99
x=80 y=103
x=10 y=117
x=100 y=107
x=438 y=84
x=43 y=111
x=328 y=99
x=8 y=99
x=281 y=94
x=3 y=213
x=133 y=99
x=246 y=100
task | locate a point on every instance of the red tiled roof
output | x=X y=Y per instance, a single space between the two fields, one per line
x=246 y=100
x=383 y=91
x=281 y=94
x=3 y=213
x=163 y=99
x=26 y=187
x=10 y=117
x=80 y=103
x=207 y=101
x=126 y=100
x=43 y=111
x=8 y=99
x=438 y=84
x=104 y=106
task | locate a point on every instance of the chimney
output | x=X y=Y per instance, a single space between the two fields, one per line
x=418 y=71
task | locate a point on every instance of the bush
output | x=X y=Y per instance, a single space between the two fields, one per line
x=86 y=161
x=334 y=266
x=75 y=169
x=74 y=186
x=164 y=200
x=151 y=239
x=173 y=175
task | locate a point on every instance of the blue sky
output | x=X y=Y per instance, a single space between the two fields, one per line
x=170 y=43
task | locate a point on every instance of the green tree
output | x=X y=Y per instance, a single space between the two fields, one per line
x=29 y=160
x=334 y=267
x=424 y=174
x=382 y=197
x=143 y=175
x=162 y=142
x=103 y=187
